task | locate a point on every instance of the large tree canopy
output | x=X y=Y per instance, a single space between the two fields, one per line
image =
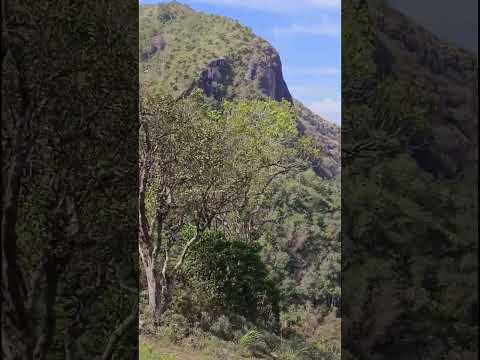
x=208 y=168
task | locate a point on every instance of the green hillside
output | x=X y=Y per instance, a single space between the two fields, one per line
x=264 y=280
x=192 y=40
x=181 y=49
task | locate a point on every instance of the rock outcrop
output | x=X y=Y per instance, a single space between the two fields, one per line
x=264 y=74
x=214 y=79
x=327 y=136
x=157 y=44
x=266 y=71
x=229 y=62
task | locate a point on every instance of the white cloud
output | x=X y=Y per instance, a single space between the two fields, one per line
x=326 y=27
x=276 y=5
x=313 y=71
x=329 y=109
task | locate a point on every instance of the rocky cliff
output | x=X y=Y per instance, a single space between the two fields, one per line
x=265 y=69
x=181 y=50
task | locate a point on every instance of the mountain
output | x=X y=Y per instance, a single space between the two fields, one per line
x=409 y=189
x=444 y=74
x=181 y=50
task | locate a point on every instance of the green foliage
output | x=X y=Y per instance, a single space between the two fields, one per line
x=383 y=114
x=217 y=164
x=145 y=352
x=411 y=216
x=175 y=327
x=239 y=168
x=234 y=281
x=358 y=32
x=301 y=237
x=148 y=352
x=321 y=326
x=223 y=328
x=253 y=338
x=254 y=342
x=287 y=352
x=193 y=40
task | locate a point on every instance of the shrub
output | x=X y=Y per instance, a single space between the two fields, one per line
x=253 y=341
x=222 y=328
x=293 y=352
x=175 y=327
x=234 y=281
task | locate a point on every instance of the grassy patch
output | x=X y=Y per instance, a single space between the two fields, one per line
x=148 y=352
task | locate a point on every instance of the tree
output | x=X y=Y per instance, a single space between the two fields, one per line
x=234 y=281
x=206 y=167
x=65 y=184
x=404 y=227
x=301 y=240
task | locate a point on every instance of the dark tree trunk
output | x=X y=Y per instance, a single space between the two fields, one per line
x=17 y=342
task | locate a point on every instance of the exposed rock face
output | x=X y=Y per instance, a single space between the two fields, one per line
x=326 y=135
x=251 y=68
x=157 y=44
x=214 y=79
x=266 y=71
x=449 y=77
x=266 y=75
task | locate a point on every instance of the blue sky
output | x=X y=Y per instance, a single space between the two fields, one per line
x=306 y=33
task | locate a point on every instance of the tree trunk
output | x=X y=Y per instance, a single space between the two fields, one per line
x=15 y=346
x=153 y=287
x=17 y=339
x=159 y=287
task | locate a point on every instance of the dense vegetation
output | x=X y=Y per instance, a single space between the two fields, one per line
x=191 y=40
x=69 y=165
x=237 y=233
x=239 y=237
x=181 y=49
x=410 y=274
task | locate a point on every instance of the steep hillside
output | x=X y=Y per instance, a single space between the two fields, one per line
x=288 y=244
x=181 y=49
x=326 y=134
x=445 y=75
x=409 y=169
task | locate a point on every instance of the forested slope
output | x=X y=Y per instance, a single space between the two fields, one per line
x=181 y=50
x=241 y=197
x=409 y=169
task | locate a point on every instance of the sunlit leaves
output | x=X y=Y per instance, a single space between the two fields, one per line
x=216 y=162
